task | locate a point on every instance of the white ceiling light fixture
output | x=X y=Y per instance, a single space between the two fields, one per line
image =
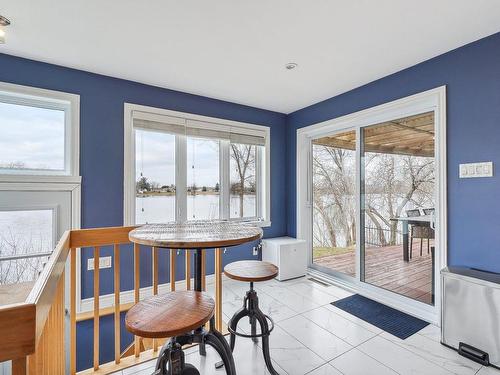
x=291 y=66
x=3 y=23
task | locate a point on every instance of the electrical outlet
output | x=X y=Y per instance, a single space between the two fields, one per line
x=255 y=251
x=104 y=262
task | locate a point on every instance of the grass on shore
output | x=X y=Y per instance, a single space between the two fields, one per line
x=321 y=252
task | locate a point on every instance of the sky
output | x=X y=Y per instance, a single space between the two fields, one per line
x=155 y=158
x=33 y=136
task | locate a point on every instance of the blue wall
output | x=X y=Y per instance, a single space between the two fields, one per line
x=101 y=163
x=472 y=76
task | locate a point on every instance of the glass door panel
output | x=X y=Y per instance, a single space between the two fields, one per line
x=334 y=203
x=397 y=182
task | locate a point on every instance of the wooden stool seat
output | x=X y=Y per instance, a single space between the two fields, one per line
x=170 y=314
x=251 y=270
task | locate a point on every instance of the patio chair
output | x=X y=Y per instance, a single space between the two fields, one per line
x=419 y=230
x=429 y=211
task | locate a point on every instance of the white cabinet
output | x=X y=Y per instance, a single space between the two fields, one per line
x=289 y=254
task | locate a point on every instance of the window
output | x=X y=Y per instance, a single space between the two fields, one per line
x=39 y=182
x=36 y=132
x=26 y=242
x=203 y=181
x=187 y=167
x=243 y=182
x=154 y=176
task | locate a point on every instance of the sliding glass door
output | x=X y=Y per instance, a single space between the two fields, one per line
x=382 y=183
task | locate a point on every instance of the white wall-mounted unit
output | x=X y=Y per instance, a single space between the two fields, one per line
x=289 y=254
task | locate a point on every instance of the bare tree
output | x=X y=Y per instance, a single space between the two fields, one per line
x=391 y=183
x=244 y=158
x=19 y=270
x=334 y=192
x=394 y=182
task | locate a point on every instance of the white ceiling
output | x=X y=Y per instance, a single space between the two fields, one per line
x=236 y=50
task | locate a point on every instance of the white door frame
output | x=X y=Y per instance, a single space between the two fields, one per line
x=431 y=100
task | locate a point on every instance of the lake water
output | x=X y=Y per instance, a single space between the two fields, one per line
x=157 y=209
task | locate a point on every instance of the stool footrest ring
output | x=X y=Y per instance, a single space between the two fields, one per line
x=240 y=334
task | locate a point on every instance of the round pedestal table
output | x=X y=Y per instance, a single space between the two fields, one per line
x=197 y=236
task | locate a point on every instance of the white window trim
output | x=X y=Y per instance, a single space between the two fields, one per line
x=431 y=100
x=263 y=164
x=70 y=104
x=68 y=180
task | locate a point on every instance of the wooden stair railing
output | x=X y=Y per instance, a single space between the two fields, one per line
x=32 y=327
x=140 y=350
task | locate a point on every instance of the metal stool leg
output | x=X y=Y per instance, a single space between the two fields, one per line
x=253 y=327
x=265 y=341
x=162 y=361
x=216 y=340
x=171 y=361
x=227 y=359
x=241 y=313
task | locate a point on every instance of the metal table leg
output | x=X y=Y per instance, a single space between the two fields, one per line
x=406 y=252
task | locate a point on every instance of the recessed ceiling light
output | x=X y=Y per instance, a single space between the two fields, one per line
x=3 y=23
x=290 y=66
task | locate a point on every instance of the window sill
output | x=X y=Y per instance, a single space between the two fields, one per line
x=14 y=178
x=257 y=223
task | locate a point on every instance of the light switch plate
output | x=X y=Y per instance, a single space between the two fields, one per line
x=104 y=262
x=472 y=170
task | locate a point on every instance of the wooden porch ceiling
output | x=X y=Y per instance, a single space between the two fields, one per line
x=413 y=135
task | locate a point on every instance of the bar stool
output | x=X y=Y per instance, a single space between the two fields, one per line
x=252 y=271
x=181 y=316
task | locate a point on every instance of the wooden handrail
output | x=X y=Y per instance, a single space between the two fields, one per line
x=100 y=236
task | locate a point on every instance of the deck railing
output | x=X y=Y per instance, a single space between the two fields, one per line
x=33 y=330
x=381 y=237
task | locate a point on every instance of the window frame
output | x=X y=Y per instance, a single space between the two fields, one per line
x=48 y=99
x=262 y=165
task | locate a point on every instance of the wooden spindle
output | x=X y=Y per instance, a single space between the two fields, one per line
x=188 y=269
x=218 y=289
x=155 y=286
x=116 y=254
x=203 y=270
x=137 y=268
x=96 y=307
x=173 y=253
x=72 y=313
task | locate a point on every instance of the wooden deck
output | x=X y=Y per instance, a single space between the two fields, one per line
x=386 y=268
